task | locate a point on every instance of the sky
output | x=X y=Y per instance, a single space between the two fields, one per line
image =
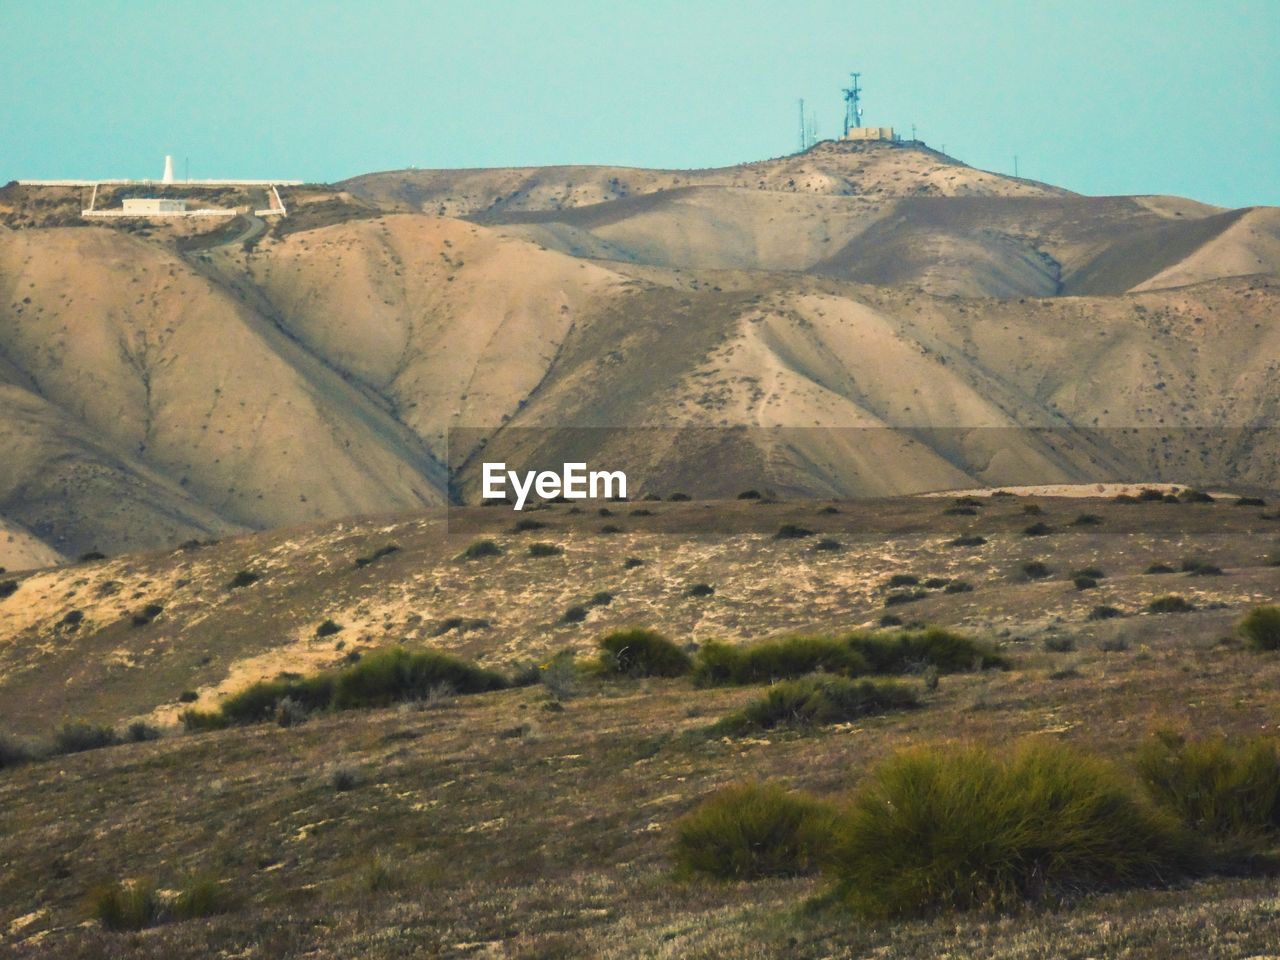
x=1098 y=96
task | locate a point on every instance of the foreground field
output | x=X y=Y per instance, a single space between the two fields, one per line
x=522 y=823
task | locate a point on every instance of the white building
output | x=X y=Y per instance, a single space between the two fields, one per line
x=149 y=206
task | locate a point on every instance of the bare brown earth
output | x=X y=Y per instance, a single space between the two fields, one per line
x=960 y=328
x=495 y=826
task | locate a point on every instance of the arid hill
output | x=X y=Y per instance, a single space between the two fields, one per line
x=959 y=327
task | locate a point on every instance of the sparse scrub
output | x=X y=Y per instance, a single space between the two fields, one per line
x=1093 y=573
x=631 y=563
x=903 y=580
x=754 y=830
x=328 y=628
x=1035 y=570
x=140 y=731
x=528 y=523
x=1084 y=583
x=13 y=752
x=818 y=700
x=545 y=549
x=642 y=653
x=1113 y=645
x=701 y=590
x=946 y=828
x=147 y=614
x=1059 y=644
x=899 y=597
x=1037 y=529
x=967 y=541
x=958 y=586
x=201 y=897
x=827 y=545
x=1159 y=568
x=1086 y=520
x=1261 y=627
x=911 y=651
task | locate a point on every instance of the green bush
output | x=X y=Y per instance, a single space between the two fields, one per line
x=754 y=830
x=1261 y=627
x=198 y=721
x=1170 y=604
x=243 y=578
x=328 y=628
x=76 y=736
x=903 y=580
x=545 y=549
x=940 y=828
x=1035 y=570
x=395 y=675
x=128 y=906
x=792 y=531
x=911 y=651
x=481 y=548
x=642 y=653
x=201 y=897
x=819 y=700
x=1227 y=789
x=13 y=752
x=770 y=660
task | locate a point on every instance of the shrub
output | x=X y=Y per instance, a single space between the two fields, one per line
x=967 y=541
x=891 y=620
x=903 y=580
x=395 y=675
x=1033 y=509
x=601 y=599
x=343 y=779
x=1059 y=644
x=377 y=555
x=1170 y=604
x=328 y=628
x=1196 y=496
x=188 y=696
x=1201 y=568
x=1158 y=568
x=1038 y=529
x=611 y=528
x=631 y=563
x=481 y=548
x=75 y=736
x=939 y=828
x=958 y=586
x=575 y=614
x=817 y=700
x=1084 y=583
x=829 y=511
x=528 y=523
x=1035 y=570
x=560 y=675
x=1086 y=520
x=642 y=653
x=771 y=660
x=1093 y=573
x=13 y=752
x=701 y=590
x=8 y=588
x=791 y=531
x=201 y=897
x=197 y=721
x=911 y=651
x=147 y=614
x=753 y=830
x=899 y=597
x=1261 y=627
x=679 y=497
x=545 y=550
x=1104 y=612
x=140 y=731
x=243 y=578
x=827 y=545
x=959 y=512
x=128 y=906
x=1229 y=789
x=1113 y=645
x=749 y=495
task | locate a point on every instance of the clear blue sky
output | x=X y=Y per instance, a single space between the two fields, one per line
x=1100 y=96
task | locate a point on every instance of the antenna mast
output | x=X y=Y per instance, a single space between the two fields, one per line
x=803 y=138
x=852 y=108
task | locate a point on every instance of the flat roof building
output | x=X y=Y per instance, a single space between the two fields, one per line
x=149 y=206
